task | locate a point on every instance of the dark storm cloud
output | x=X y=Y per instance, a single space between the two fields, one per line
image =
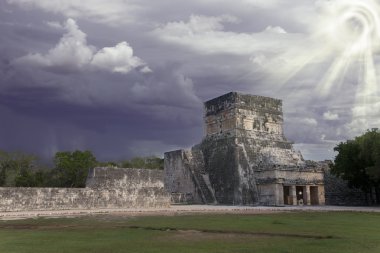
x=47 y=110
x=126 y=78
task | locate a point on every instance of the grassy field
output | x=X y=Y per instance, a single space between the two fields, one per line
x=284 y=232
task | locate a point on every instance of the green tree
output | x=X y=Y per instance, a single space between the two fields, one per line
x=150 y=162
x=72 y=167
x=43 y=178
x=153 y=162
x=138 y=162
x=2 y=177
x=17 y=168
x=107 y=164
x=25 y=178
x=370 y=153
x=358 y=162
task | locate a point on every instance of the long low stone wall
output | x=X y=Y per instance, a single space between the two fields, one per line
x=107 y=188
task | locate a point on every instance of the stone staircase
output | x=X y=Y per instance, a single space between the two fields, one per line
x=200 y=177
x=203 y=183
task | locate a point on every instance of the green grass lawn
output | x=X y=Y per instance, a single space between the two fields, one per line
x=283 y=232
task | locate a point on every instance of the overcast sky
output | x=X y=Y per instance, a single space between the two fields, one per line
x=128 y=77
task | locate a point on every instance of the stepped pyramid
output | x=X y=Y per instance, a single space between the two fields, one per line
x=244 y=158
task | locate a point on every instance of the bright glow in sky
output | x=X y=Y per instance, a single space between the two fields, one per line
x=346 y=37
x=352 y=30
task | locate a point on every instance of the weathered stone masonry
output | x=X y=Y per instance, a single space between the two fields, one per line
x=337 y=192
x=105 y=188
x=244 y=159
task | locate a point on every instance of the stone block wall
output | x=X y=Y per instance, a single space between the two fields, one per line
x=119 y=178
x=234 y=112
x=26 y=199
x=338 y=193
x=220 y=163
x=107 y=188
x=270 y=194
x=243 y=101
x=178 y=178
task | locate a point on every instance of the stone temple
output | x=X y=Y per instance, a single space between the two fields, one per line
x=243 y=159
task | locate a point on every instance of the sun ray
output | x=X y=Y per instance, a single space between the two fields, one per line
x=346 y=41
x=335 y=74
x=289 y=64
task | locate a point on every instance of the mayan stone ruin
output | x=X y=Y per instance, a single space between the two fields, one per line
x=106 y=188
x=243 y=159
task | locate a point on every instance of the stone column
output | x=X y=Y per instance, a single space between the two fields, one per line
x=306 y=196
x=293 y=194
x=279 y=195
x=321 y=192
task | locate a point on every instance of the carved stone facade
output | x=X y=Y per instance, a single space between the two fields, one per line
x=244 y=159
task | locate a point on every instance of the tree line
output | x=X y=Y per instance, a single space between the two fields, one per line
x=70 y=168
x=358 y=162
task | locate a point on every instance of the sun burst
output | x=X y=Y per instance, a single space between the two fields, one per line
x=352 y=29
x=341 y=52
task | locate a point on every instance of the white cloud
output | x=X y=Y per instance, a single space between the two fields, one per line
x=203 y=24
x=175 y=86
x=206 y=34
x=330 y=116
x=259 y=59
x=115 y=12
x=110 y=12
x=318 y=152
x=263 y=3
x=275 y=29
x=72 y=53
x=145 y=69
x=310 y=121
x=54 y=24
x=117 y=59
x=365 y=115
x=197 y=25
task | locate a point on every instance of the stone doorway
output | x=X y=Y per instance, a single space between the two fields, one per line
x=300 y=195
x=288 y=200
x=314 y=198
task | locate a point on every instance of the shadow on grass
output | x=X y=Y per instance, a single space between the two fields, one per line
x=230 y=232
